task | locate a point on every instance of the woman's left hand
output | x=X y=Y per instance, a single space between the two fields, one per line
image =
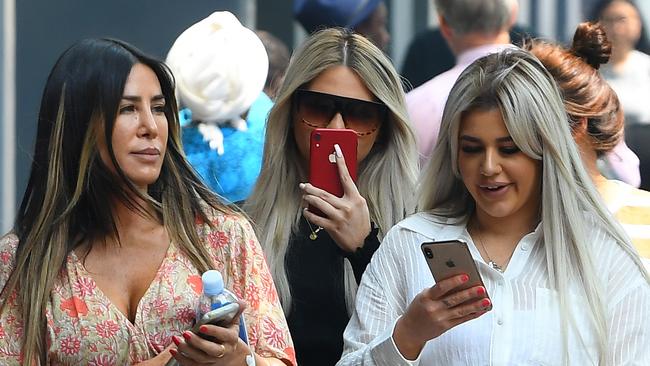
x=228 y=349
x=346 y=219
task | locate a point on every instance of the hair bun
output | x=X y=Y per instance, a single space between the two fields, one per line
x=590 y=43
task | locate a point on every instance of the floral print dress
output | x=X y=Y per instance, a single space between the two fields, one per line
x=85 y=328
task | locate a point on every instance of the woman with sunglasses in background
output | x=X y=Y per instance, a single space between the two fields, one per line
x=335 y=80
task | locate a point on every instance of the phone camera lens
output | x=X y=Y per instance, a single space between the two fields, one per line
x=428 y=253
x=317 y=137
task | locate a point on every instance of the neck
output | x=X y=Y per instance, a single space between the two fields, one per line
x=619 y=55
x=130 y=222
x=473 y=40
x=515 y=226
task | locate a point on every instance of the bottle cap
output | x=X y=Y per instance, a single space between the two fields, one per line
x=212 y=282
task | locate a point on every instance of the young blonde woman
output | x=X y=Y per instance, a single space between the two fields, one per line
x=104 y=263
x=563 y=284
x=596 y=122
x=337 y=79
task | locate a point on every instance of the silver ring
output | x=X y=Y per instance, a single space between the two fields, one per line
x=446 y=302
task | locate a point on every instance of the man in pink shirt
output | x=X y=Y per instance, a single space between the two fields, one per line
x=473 y=29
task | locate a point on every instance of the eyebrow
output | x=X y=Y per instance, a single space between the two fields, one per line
x=478 y=140
x=135 y=98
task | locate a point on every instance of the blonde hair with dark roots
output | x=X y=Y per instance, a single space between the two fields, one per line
x=516 y=83
x=70 y=190
x=386 y=177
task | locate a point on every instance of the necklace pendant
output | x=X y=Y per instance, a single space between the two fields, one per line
x=313 y=236
x=495 y=266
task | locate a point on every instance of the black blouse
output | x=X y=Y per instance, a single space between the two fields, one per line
x=318 y=314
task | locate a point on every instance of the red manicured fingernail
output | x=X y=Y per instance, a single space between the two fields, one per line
x=464 y=278
x=187 y=336
x=203 y=329
x=485 y=303
x=481 y=291
x=173 y=351
x=176 y=340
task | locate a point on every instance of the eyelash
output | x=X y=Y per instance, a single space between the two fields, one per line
x=506 y=150
x=157 y=109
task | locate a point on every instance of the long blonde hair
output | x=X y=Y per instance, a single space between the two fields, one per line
x=386 y=176
x=70 y=190
x=516 y=83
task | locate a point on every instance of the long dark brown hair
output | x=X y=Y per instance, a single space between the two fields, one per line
x=70 y=191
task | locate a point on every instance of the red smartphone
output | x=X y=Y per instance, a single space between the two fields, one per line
x=323 y=172
x=451 y=258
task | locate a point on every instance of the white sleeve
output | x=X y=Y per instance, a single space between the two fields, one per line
x=628 y=326
x=381 y=300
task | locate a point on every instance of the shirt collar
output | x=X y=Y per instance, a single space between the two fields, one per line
x=473 y=54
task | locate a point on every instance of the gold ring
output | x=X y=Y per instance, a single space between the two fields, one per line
x=223 y=351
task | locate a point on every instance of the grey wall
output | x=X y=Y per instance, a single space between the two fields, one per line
x=46 y=28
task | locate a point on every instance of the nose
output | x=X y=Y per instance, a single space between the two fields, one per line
x=148 y=127
x=337 y=121
x=491 y=164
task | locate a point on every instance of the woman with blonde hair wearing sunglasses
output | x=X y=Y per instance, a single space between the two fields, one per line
x=337 y=79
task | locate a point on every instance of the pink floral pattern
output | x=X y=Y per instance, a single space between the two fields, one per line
x=84 y=328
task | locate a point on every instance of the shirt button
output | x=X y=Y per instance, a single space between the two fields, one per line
x=524 y=248
x=500 y=322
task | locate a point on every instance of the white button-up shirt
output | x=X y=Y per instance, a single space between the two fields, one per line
x=523 y=327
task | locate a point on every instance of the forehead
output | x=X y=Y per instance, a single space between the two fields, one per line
x=341 y=80
x=142 y=80
x=620 y=8
x=486 y=124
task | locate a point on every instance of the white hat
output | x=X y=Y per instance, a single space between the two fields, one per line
x=220 y=68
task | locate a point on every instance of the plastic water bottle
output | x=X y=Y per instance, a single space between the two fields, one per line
x=215 y=296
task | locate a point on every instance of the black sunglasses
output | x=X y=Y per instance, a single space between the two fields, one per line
x=317 y=109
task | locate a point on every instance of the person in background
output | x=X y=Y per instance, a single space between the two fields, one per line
x=596 y=121
x=428 y=54
x=475 y=28
x=472 y=29
x=366 y=17
x=336 y=79
x=628 y=70
x=220 y=68
x=278 y=61
x=563 y=283
x=103 y=265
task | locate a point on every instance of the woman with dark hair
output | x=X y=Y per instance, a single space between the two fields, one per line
x=596 y=121
x=103 y=264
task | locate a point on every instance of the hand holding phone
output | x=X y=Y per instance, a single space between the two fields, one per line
x=323 y=172
x=457 y=297
x=332 y=196
x=222 y=317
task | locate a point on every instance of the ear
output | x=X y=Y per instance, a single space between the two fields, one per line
x=445 y=29
x=514 y=12
x=579 y=130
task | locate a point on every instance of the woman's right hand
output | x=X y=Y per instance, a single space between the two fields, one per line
x=435 y=310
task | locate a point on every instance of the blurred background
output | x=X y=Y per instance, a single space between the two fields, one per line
x=34 y=32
